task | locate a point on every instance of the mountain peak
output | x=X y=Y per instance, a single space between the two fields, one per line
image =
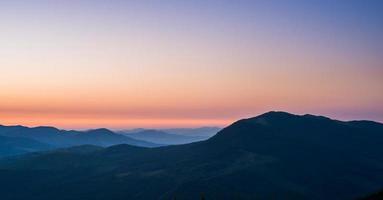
x=276 y=114
x=45 y=128
x=282 y=127
x=271 y=117
x=280 y=116
x=276 y=122
x=100 y=131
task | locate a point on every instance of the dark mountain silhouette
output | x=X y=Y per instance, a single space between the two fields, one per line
x=276 y=155
x=10 y=146
x=62 y=138
x=161 y=137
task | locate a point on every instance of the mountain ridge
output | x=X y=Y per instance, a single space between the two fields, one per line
x=58 y=138
x=162 y=137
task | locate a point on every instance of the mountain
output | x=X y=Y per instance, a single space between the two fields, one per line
x=202 y=131
x=172 y=136
x=276 y=155
x=105 y=137
x=161 y=137
x=10 y=146
x=63 y=138
x=135 y=130
x=205 y=132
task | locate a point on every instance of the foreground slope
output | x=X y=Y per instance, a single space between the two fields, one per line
x=276 y=155
x=375 y=196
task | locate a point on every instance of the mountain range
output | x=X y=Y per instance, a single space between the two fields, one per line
x=20 y=139
x=276 y=155
x=162 y=137
x=172 y=136
x=207 y=131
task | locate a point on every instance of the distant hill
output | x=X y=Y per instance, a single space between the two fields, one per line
x=62 y=138
x=10 y=146
x=172 y=136
x=105 y=137
x=276 y=155
x=161 y=137
x=205 y=132
x=202 y=131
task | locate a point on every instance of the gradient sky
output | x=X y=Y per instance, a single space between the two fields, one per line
x=122 y=64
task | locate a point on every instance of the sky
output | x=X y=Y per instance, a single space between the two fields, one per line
x=81 y=64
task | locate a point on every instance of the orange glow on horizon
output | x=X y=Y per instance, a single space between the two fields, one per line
x=111 y=123
x=138 y=64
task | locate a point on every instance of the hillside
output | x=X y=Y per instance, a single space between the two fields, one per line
x=10 y=146
x=374 y=196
